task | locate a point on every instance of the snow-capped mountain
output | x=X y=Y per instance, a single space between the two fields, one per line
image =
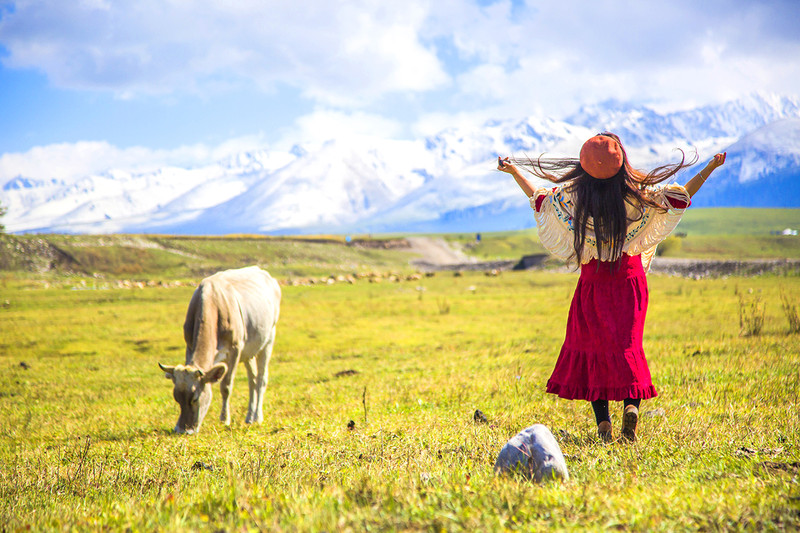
x=640 y=126
x=762 y=169
x=338 y=184
x=445 y=182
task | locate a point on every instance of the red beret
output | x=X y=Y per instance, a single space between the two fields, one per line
x=601 y=157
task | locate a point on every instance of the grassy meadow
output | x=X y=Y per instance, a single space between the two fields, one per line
x=711 y=233
x=369 y=409
x=169 y=257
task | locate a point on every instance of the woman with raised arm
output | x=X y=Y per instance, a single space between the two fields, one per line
x=607 y=217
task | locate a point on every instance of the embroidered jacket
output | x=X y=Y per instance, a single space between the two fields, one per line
x=553 y=210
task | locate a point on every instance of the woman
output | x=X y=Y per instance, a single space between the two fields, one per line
x=608 y=218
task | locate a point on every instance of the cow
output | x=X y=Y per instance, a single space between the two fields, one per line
x=232 y=317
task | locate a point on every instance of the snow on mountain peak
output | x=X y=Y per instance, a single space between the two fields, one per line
x=446 y=181
x=767 y=150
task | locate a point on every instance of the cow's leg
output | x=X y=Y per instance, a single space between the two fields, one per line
x=252 y=382
x=225 y=388
x=262 y=364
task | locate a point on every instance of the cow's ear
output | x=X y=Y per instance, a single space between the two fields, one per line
x=215 y=373
x=168 y=371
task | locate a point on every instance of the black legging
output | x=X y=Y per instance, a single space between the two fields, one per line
x=600 y=408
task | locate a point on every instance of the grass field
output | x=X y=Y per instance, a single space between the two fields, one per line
x=711 y=233
x=148 y=257
x=86 y=416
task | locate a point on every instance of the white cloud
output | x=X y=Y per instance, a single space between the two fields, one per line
x=556 y=55
x=325 y=124
x=70 y=161
x=437 y=122
x=447 y=60
x=335 y=52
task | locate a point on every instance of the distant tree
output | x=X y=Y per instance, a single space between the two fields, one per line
x=2 y=213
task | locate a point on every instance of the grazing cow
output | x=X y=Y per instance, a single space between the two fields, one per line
x=232 y=317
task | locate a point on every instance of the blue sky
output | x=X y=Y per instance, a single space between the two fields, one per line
x=86 y=85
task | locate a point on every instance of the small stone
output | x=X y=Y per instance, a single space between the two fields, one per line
x=655 y=413
x=534 y=454
x=567 y=437
x=789 y=468
x=199 y=465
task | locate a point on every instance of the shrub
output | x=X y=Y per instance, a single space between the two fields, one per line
x=670 y=246
x=790 y=310
x=751 y=316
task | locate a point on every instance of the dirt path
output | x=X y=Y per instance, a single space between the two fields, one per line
x=436 y=252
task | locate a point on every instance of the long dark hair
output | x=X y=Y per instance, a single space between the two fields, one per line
x=601 y=203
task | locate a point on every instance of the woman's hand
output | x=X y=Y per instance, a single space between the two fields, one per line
x=504 y=165
x=716 y=162
x=696 y=182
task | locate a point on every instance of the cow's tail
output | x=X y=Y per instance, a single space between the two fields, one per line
x=201 y=327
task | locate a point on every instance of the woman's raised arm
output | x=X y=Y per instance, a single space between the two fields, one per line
x=504 y=165
x=700 y=178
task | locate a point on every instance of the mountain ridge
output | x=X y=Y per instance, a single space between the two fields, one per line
x=444 y=182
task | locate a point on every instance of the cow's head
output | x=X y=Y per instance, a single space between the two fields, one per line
x=193 y=393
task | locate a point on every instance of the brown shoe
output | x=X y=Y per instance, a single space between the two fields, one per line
x=629 y=420
x=604 y=431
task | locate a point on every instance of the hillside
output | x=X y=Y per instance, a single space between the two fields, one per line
x=704 y=234
x=144 y=257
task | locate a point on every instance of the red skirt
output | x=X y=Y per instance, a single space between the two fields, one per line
x=602 y=357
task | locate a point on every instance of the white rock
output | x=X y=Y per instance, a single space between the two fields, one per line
x=533 y=453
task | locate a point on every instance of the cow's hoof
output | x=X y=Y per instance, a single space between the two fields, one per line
x=253 y=418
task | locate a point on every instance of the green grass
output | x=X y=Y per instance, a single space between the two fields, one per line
x=738 y=233
x=738 y=221
x=719 y=233
x=499 y=245
x=85 y=441
x=145 y=257
x=738 y=247
x=704 y=233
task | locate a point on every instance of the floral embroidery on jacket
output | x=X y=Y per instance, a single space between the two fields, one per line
x=553 y=210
